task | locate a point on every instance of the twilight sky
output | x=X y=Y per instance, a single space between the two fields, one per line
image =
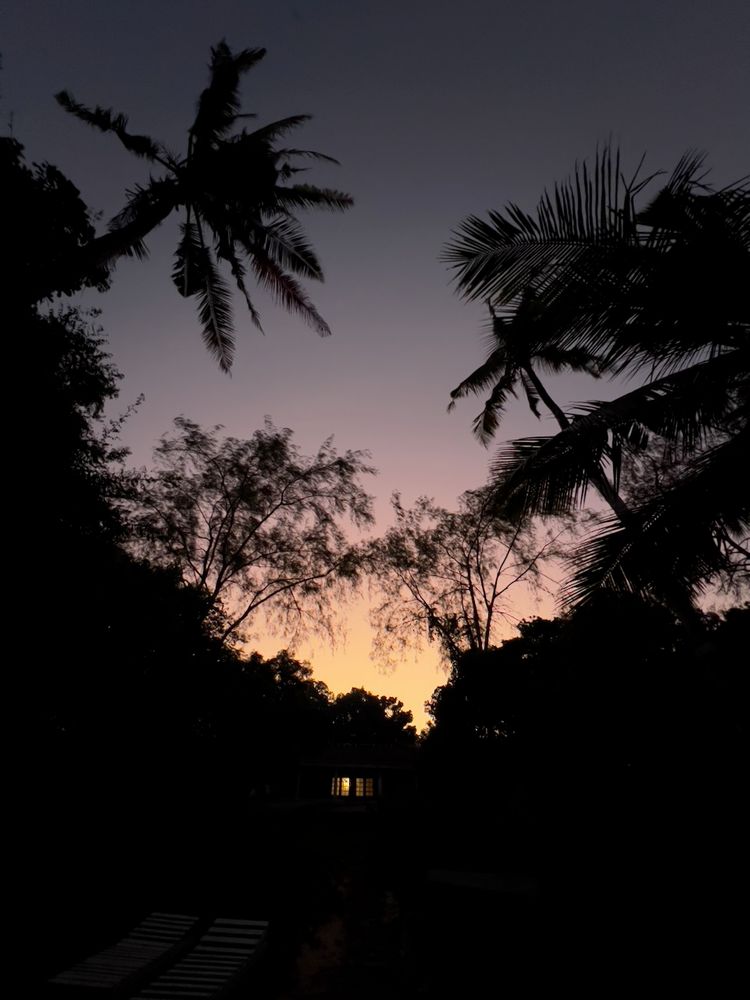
x=435 y=111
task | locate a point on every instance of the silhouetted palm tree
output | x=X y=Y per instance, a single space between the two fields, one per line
x=662 y=292
x=512 y=364
x=239 y=208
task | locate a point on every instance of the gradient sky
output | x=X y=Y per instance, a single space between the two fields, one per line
x=435 y=111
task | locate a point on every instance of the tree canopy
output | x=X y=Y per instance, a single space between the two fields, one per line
x=616 y=691
x=361 y=717
x=254 y=524
x=45 y=224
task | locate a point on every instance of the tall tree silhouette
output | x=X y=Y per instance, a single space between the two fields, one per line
x=253 y=524
x=661 y=292
x=235 y=189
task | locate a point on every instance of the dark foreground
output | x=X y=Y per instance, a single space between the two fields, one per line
x=418 y=899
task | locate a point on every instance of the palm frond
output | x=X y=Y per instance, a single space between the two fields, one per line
x=532 y=395
x=267 y=133
x=517 y=344
x=671 y=547
x=697 y=239
x=547 y=475
x=552 y=475
x=284 y=288
x=496 y=259
x=309 y=196
x=195 y=274
x=286 y=243
x=486 y=423
x=107 y=120
x=483 y=377
x=238 y=273
x=582 y=257
x=683 y=408
x=187 y=273
x=305 y=154
x=286 y=171
x=145 y=209
x=576 y=359
x=219 y=104
x=687 y=175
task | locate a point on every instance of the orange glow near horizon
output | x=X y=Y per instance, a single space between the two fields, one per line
x=349 y=662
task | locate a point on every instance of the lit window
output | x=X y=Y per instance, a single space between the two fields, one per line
x=340 y=786
x=364 y=787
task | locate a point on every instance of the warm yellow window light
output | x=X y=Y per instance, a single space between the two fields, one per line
x=340 y=786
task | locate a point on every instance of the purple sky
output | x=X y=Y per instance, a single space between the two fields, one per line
x=435 y=111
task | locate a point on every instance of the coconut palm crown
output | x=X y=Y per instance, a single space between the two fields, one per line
x=658 y=294
x=236 y=190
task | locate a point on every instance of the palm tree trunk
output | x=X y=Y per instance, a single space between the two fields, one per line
x=676 y=602
x=603 y=486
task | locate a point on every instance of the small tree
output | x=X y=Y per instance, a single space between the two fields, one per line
x=449 y=574
x=253 y=523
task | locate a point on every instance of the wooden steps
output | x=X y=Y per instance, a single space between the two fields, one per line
x=219 y=958
x=169 y=956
